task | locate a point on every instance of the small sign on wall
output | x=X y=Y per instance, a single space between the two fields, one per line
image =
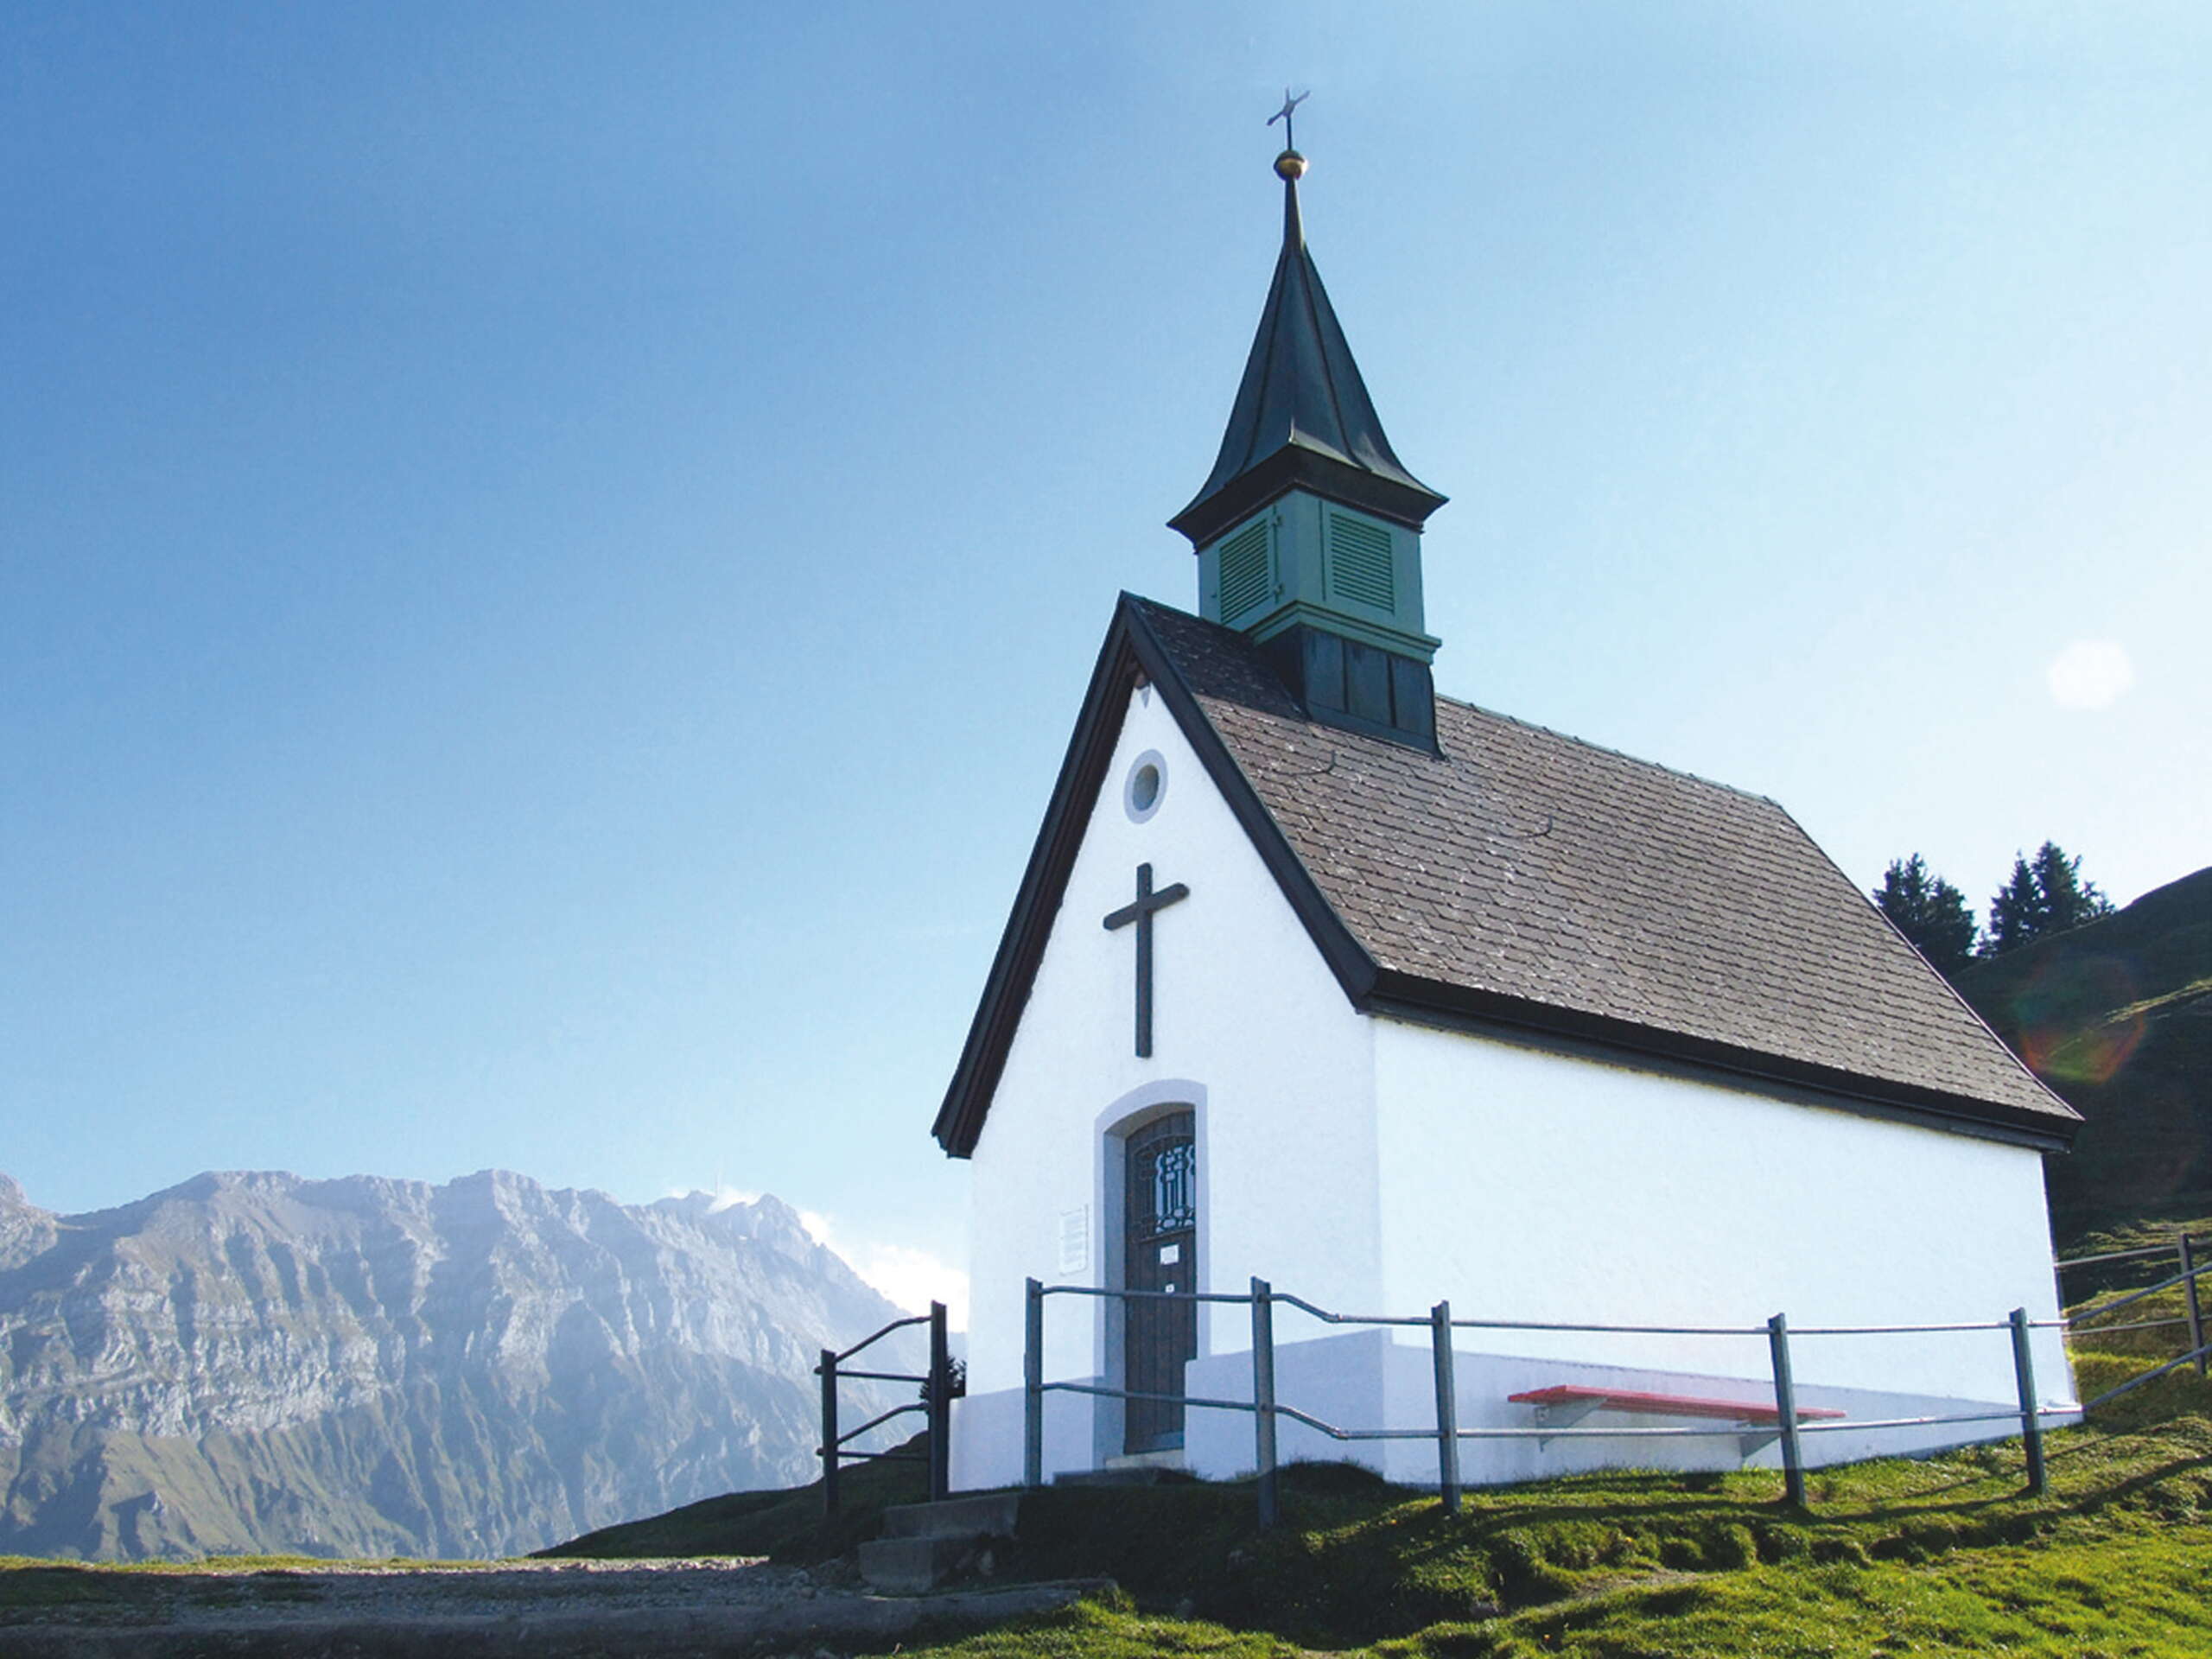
x=1075 y=1240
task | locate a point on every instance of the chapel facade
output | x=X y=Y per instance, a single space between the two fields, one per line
x=1317 y=977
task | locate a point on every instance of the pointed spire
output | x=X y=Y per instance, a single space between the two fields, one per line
x=1302 y=417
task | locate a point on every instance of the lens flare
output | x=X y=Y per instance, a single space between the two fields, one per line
x=2090 y=674
x=2081 y=1027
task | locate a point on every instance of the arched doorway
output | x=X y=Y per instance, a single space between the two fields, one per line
x=1160 y=1235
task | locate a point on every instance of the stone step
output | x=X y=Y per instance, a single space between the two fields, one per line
x=908 y=1566
x=986 y=1515
x=1140 y=1474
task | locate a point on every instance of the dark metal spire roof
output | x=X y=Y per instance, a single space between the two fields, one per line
x=1302 y=417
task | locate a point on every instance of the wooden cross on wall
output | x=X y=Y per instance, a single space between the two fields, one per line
x=1141 y=912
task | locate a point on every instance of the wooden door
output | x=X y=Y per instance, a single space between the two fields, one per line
x=1161 y=1238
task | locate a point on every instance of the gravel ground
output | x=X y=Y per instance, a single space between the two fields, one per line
x=548 y=1610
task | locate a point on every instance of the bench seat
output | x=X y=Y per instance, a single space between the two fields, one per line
x=1572 y=1394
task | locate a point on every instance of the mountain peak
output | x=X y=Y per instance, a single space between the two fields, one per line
x=766 y=1220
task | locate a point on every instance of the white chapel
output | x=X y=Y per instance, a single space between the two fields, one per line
x=1317 y=977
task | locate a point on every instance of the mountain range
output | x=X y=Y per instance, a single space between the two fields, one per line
x=362 y=1367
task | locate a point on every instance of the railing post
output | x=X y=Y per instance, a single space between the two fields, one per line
x=1033 y=1386
x=1448 y=1407
x=1263 y=1397
x=940 y=1418
x=2196 y=1307
x=828 y=1371
x=1785 y=1406
x=2024 y=1372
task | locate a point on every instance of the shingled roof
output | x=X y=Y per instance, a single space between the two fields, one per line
x=1529 y=882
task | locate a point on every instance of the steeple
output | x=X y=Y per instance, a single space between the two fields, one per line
x=1308 y=531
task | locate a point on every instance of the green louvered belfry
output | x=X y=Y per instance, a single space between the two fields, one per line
x=1308 y=533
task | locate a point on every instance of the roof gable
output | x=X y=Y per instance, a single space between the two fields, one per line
x=1131 y=654
x=1529 y=881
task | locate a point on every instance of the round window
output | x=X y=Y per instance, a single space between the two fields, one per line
x=1146 y=784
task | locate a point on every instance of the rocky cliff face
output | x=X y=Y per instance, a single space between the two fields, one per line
x=255 y=1363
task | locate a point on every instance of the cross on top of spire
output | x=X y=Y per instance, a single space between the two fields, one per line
x=1290 y=166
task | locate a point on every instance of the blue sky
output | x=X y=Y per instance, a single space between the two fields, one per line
x=548 y=554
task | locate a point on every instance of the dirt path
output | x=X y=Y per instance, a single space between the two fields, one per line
x=546 y=1610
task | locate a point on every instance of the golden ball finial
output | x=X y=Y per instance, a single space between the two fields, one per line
x=1290 y=165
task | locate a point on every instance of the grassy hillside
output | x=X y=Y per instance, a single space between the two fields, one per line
x=2117 y=1017
x=1945 y=1555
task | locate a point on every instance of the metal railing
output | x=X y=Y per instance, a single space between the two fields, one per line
x=939 y=1385
x=2194 y=1266
x=1266 y=1409
x=2194 y=1262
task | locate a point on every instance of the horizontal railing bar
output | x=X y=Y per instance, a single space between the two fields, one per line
x=1327 y=1318
x=879 y=1456
x=1336 y=1434
x=2118 y=1302
x=1896 y=1330
x=1546 y=1433
x=2137 y=1381
x=881 y=1376
x=1134 y=1394
x=1144 y=1296
x=1612 y=1330
x=2135 y=1325
x=895 y=1325
x=896 y=1411
x=1541 y=1432
x=2010 y=1415
x=2123 y=1256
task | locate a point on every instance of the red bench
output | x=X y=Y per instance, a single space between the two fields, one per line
x=1567 y=1403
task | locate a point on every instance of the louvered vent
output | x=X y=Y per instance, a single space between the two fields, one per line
x=1359 y=563
x=1244 y=579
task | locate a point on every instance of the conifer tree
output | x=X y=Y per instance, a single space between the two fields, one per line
x=2068 y=900
x=1929 y=912
x=2042 y=896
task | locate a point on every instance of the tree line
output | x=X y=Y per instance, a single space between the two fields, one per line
x=2045 y=894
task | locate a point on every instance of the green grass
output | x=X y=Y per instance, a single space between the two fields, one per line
x=2139 y=1593
x=1942 y=1555
x=1946 y=1554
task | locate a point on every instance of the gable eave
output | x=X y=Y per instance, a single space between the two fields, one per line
x=1130 y=648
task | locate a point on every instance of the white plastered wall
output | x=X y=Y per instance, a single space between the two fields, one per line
x=1249 y=1027
x=1524 y=1184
